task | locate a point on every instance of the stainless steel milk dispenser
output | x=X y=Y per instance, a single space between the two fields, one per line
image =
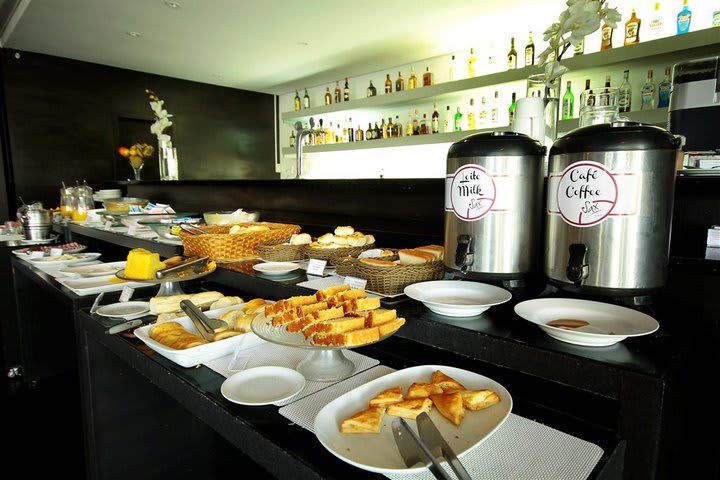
x=494 y=205
x=609 y=208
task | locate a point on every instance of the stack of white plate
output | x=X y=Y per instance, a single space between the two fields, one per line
x=102 y=195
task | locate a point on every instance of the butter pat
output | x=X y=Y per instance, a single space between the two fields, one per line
x=143 y=264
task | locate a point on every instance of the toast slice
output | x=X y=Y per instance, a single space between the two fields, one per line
x=447 y=383
x=365 y=421
x=450 y=405
x=387 y=397
x=410 y=408
x=479 y=399
x=318 y=316
x=336 y=325
x=347 y=339
x=391 y=326
x=357 y=304
x=422 y=390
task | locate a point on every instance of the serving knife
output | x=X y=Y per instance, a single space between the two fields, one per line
x=121 y=327
x=414 y=451
x=431 y=436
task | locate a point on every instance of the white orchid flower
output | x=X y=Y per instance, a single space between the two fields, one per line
x=553 y=71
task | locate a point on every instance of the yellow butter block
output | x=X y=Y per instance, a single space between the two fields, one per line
x=143 y=264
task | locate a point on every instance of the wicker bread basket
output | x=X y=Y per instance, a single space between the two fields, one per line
x=330 y=253
x=393 y=280
x=221 y=246
x=279 y=251
x=345 y=265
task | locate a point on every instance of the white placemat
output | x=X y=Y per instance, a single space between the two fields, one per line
x=270 y=354
x=520 y=450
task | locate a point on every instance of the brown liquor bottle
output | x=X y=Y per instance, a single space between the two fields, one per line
x=399 y=83
x=632 y=30
x=606 y=34
x=346 y=91
x=338 y=92
x=512 y=55
x=412 y=81
x=427 y=77
x=328 y=96
x=388 y=84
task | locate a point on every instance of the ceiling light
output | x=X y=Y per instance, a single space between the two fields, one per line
x=172 y=4
x=135 y=34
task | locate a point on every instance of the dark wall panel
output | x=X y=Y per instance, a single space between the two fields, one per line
x=66 y=119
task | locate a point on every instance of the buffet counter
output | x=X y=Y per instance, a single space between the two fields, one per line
x=623 y=398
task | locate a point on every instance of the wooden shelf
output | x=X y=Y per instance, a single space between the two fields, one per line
x=694 y=44
x=657 y=116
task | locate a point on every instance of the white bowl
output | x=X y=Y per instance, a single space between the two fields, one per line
x=455 y=298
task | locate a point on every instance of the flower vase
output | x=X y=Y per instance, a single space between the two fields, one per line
x=167 y=157
x=550 y=93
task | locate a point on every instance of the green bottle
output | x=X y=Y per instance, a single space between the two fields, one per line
x=511 y=110
x=568 y=104
x=458 y=120
x=297 y=101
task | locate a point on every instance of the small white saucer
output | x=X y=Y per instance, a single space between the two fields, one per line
x=124 y=309
x=262 y=385
x=276 y=268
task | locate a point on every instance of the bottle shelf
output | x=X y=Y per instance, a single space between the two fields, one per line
x=450 y=137
x=693 y=44
x=657 y=116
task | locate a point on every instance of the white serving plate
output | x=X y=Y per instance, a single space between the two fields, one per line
x=455 y=298
x=378 y=452
x=608 y=323
x=202 y=353
x=54 y=261
x=91 y=286
x=262 y=385
x=124 y=309
x=95 y=270
x=276 y=268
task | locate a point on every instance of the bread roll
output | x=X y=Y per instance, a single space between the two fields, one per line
x=356 y=240
x=376 y=262
x=340 y=240
x=226 y=302
x=436 y=250
x=415 y=257
x=326 y=239
x=225 y=334
x=344 y=231
x=301 y=239
x=369 y=239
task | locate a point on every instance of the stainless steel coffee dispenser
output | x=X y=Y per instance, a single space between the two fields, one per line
x=493 y=206
x=609 y=208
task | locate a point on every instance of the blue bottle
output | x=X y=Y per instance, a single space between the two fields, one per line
x=683 y=19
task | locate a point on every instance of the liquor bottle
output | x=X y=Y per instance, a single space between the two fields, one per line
x=604 y=99
x=512 y=55
x=345 y=132
x=471 y=119
x=391 y=130
x=568 y=103
x=579 y=48
x=398 y=127
x=416 y=123
x=625 y=93
x=388 y=84
x=427 y=77
x=409 y=125
x=435 y=120
x=448 y=121
x=329 y=134
x=399 y=83
x=292 y=138
x=424 y=125
x=377 y=132
x=383 y=129
x=453 y=69
x=494 y=113
x=297 y=101
x=328 y=96
x=511 y=110
x=471 y=64
x=683 y=19
x=371 y=90
x=369 y=132
x=607 y=81
x=530 y=52
x=457 y=123
x=359 y=135
x=664 y=90
x=346 y=91
x=338 y=92
x=483 y=114
x=320 y=134
x=412 y=81
x=606 y=34
x=306 y=100
x=589 y=100
x=351 y=131
x=656 y=22
x=648 y=92
x=632 y=29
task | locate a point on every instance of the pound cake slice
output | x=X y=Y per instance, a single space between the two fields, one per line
x=390 y=327
x=336 y=325
x=358 y=304
x=313 y=317
x=347 y=339
x=376 y=317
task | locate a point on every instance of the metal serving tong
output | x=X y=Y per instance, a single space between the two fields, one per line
x=414 y=448
x=192 y=229
x=197 y=264
x=205 y=325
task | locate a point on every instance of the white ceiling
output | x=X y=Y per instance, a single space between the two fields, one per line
x=263 y=45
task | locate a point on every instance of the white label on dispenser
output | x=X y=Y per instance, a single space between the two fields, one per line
x=587 y=193
x=470 y=193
